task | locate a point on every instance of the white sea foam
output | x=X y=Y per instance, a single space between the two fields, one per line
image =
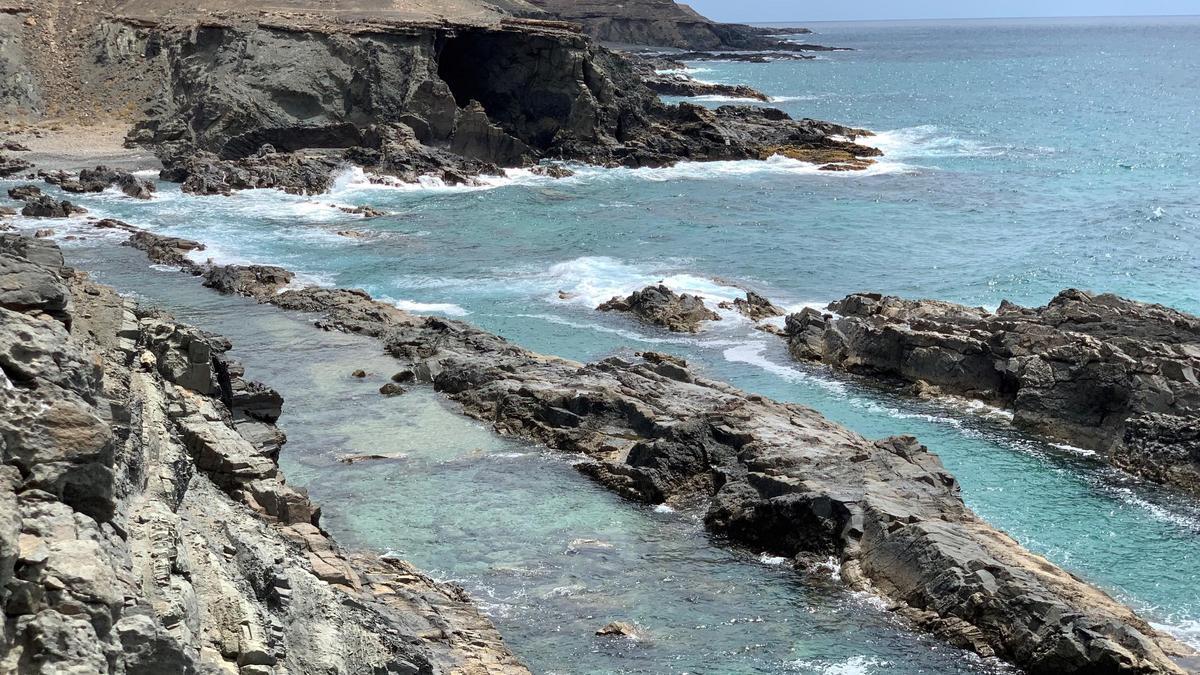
x=855 y=665
x=446 y=308
x=1186 y=631
x=753 y=354
x=1072 y=449
x=929 y=141
x=768 y=559
x=747 y=167
x=629 y=334
x=663 y=508
x=788 y=99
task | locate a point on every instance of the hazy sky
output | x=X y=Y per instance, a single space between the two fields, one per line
x=806 y=10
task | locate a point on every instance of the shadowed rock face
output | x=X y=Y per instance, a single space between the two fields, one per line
x=405 y=97
x=1098 y=371
x=145 y=526
x=778 y=476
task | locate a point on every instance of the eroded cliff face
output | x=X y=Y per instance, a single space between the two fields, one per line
x=145 y=526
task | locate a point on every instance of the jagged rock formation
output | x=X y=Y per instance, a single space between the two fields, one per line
x=407 y=98
x=100 y=179
x=664 y=307
x=779 y=477
x=754 y=306
x=661 y=23
x=145 y=526
x=1098 y=371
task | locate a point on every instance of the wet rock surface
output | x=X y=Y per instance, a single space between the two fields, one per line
x=100 y=179
x=145 y=526
x=664 y=307
x=779 y=477
x=1097 y=371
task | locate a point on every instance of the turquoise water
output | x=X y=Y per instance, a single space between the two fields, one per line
x=1023 y=157
x=549 y=555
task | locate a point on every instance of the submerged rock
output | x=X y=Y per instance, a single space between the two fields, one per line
x=662 y=306
x=619 y=628
x=1097 y=371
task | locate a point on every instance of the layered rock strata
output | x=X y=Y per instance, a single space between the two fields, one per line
x=1096 y=371
x=778 y=477
x=145 y=526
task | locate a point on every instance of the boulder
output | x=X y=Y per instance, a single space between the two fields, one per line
x=662 y=306
x=45 y=206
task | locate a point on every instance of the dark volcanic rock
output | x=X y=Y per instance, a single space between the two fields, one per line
x=206 y=174
x=776 y=476
x=664 y=307
x=10 y=166
x=679 y=84
x=754 y=307
x=101 y=178
x=163 y=250
x=145 y=526
x=247 y=279
x=45 y=206
x=24 y=192
x=452 y=102
x=1097 y=371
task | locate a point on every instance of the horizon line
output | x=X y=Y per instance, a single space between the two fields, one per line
x=970 y=18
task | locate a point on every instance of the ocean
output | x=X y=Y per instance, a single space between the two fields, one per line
x=1022 y=158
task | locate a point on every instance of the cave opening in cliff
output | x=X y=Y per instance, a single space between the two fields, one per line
x=522 y=82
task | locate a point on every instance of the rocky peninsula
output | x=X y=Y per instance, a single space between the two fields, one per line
x=145 y=526
x=1097 y=371
x=778 y=477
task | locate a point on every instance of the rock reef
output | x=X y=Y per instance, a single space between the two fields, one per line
x=145 y=526
x=1096 y=371
x=778 y=477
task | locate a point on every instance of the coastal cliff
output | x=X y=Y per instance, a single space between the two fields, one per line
x=145 y=526
x=304 y=92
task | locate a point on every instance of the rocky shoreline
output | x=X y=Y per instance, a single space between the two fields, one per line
x=1097 y=371
x=145 y=526
x=775 y=476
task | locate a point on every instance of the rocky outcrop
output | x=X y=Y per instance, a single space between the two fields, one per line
x=664 y=307
x=754 y=306
x=681 y=84
x=413 y=99
x=1097 y=371
x=204 y=173
x=11 y=166
x=660 y=23
x=778 y=477
x=100 y=179
x=45 y=206
x=145 y=526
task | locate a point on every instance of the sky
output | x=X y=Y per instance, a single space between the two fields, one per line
x=847 y=10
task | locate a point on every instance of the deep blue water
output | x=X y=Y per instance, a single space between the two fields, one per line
x=1023 y=157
